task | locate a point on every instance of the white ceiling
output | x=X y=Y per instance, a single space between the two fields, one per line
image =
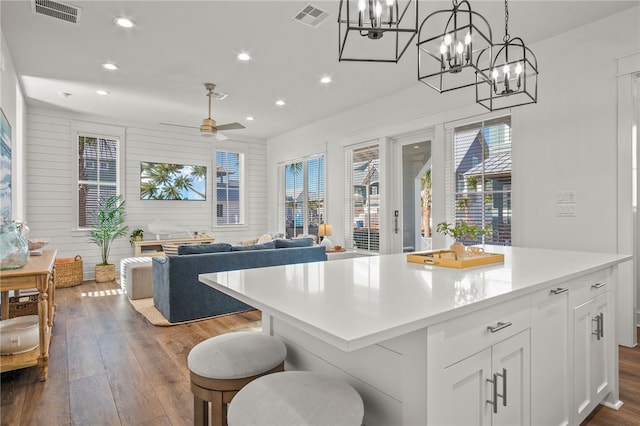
x=177 y=46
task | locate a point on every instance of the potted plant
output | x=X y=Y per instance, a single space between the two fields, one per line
x=109 y=225
x=136 y=235
x=462 y=230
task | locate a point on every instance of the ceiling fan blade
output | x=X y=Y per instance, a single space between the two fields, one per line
x=221 y=137
x=179 y=125
x=230 y=126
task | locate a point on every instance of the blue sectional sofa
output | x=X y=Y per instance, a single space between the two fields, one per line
x=180 y=296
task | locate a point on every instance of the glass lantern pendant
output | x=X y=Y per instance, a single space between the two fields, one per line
x=448 y=60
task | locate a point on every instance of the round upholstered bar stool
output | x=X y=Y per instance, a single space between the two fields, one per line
x=222 y=365
x=296 y=398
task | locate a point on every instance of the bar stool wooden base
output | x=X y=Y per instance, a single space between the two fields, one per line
x=218 y=392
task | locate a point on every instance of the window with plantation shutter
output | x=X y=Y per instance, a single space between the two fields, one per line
x=479 y=178
x=98 y=169
x=362 y=197
x=229 y=188
x=304 y=196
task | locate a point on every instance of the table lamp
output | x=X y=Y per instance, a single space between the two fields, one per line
x=324 y=231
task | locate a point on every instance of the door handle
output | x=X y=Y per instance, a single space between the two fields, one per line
x=504 y=387
x=601 y=316
x=396 y=213
x=494 y=392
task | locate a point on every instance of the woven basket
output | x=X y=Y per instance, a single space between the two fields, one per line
x=68 y=271
x=23 y=305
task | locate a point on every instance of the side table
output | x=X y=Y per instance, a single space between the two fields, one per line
x=38 y=273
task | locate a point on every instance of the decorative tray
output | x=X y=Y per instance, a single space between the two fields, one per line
x=448 y=258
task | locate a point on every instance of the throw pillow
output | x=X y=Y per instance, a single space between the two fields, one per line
x=263 y=246
x=299 y=242
x=170 y=249
x=264 y=238
x=203 y=248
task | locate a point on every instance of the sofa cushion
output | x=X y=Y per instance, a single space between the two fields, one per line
x=263 y=246
x=299 y=242
x=203 y=248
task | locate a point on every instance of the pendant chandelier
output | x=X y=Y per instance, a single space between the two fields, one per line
x=452 y=59
x=513 y=73
x=376 y=30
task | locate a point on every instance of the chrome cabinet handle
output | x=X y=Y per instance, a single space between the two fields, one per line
x=598 y=285
x=504 y=387
x=599 y=320
x=499 y=326
x=601 y=316
x=559 y=290
x=494 y=385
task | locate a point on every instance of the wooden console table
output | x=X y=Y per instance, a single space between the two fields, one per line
x=38 y=273
x=154 y=247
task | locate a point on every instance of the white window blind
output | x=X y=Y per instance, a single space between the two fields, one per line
x=229 y=188
x=478 y=186
x=362 y=197
x=304 y=195
x=98 y=168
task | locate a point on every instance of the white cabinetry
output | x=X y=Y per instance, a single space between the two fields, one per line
x=479 y=367
x=592 y=366
x=550 y=385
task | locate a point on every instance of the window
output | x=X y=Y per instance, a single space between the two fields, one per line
x=98 y=167
x=229 y=188
x=363 y=200
x=481 y=163
x=304 y=196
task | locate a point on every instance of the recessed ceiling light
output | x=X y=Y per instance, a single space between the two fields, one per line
x=124 y=22
x=102 y=92
x=326 y=79
x=280 y=102
x=250 y=118
x=244 y=56
x=109 y=66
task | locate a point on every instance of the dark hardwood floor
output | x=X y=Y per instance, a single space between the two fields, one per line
x=110 y=366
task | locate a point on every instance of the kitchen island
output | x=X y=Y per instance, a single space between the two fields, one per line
x=432 y=345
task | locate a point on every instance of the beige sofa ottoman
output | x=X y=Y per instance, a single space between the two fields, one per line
x=136 y=277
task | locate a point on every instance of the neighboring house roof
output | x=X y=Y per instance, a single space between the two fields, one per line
x=366 y=172
x=496 y=164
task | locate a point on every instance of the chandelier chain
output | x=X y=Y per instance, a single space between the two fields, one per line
x=506 y=21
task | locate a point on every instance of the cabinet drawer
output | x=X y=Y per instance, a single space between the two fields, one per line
x=469 y=334
x=585 y=288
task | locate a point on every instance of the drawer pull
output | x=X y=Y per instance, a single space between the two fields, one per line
x=559 y=290
x=499 y=326
x=598 y=285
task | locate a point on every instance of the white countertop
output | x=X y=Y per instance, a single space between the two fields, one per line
x=353 y=303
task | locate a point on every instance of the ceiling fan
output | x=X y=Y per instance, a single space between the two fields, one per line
x=208 y=126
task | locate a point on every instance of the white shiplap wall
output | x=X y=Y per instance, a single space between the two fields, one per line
x=51 y=183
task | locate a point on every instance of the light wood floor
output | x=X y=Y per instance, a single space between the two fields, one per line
x=110 y=366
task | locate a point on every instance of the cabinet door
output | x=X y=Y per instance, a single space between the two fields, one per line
x=601 y=359
x=465 y=391
x=550 y=390
x=583 y=329
x=511 y=364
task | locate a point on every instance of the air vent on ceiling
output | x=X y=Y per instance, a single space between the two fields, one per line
x=57 y=10
x=311 y=16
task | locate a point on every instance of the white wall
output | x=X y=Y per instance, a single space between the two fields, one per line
x=13 y=107
x=51 y=183
x=565 y=142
